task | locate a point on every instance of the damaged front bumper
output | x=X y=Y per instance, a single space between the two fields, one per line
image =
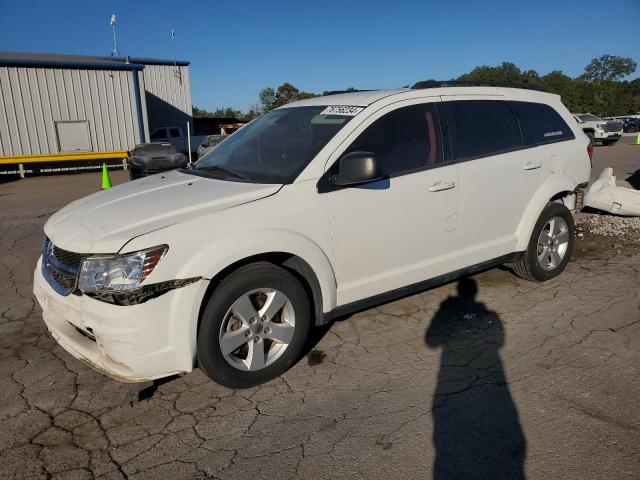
x=133 y=343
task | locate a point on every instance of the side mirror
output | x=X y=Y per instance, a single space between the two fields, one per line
x=357 y=168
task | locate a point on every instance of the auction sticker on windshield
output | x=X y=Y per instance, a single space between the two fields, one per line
x=342 y=110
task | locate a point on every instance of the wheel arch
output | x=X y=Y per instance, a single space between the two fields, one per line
x=290 y=262
x=558 y=189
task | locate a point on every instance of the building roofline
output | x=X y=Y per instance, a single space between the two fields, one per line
x=25 y=59
x=155 y=61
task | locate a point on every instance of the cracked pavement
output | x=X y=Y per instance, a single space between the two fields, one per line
x=515 y=379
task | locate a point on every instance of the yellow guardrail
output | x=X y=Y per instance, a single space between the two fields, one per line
x=62 y=157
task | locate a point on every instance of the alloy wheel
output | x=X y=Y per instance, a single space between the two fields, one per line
x=257 y=329
x=553 y=243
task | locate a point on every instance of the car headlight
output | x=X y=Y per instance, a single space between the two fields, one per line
x=119 y=273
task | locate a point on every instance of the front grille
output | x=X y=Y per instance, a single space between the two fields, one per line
x=60 y=267
x=68 y=258
x=612 y=127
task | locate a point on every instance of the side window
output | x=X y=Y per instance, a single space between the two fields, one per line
x=158 y=134
x=174 y=133
x=403 y=140
x=540 y=123
x=480 y=128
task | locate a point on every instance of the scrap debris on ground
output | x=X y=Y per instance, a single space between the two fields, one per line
x=604 y=194
x=601 y=235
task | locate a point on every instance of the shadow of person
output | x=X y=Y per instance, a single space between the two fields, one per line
x=634 y=179
x=476 y=430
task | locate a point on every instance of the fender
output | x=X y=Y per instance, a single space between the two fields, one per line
x=212 y=258
x=551 y=187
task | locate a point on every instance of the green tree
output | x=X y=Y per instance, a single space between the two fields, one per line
x=267 y=97
x=507 y=73
x=220 y=112
x=598 y=90
x=563 y=85
x=254 y=111
x=286 y=93
x=227 y=112
x=609 y=68
x=199 y=113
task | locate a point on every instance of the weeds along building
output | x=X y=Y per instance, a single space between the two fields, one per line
x=70 y=107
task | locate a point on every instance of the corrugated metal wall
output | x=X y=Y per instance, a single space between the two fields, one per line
x=33 y=99
x=168 y=96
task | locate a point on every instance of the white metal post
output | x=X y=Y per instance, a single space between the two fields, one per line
x=189 y=142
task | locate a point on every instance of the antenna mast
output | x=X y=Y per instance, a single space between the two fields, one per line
x=115 y=52
x=176 y=70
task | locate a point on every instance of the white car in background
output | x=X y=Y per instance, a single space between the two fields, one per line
x=597 y=129
x=316 y=209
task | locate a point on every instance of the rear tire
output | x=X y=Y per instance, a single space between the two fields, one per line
x=550 y=246
x=254 y=326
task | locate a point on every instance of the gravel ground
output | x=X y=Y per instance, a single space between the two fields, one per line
x=610 y=225
x=599 y=235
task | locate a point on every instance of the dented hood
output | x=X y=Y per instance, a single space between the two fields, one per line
x=105 y=221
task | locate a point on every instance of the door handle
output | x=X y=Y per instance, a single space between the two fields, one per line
x=439 y=186
x=532 y=165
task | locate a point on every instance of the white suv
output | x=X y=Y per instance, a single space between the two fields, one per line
x=316 y=209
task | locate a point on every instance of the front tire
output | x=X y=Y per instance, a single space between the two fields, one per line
x=550 y=246
x=254 y=326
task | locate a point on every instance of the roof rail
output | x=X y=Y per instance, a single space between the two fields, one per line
x=338 y=92
x=475 y=83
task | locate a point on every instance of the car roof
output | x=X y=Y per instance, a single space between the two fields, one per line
x=360 y=99
x=365 y=98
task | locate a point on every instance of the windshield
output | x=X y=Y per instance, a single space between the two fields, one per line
x=588 y=118
x=274 y=148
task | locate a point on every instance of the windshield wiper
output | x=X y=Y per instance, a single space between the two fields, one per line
x=223 y=171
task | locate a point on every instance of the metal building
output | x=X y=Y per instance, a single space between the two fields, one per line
x=62 y=106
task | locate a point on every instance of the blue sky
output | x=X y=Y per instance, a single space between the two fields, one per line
x=237 y=48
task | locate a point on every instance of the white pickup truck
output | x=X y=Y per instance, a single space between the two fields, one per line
x=177 y=137
x=607 y=132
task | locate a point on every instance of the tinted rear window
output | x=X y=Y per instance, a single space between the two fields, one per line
x=480 y=128
x=540 y=123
